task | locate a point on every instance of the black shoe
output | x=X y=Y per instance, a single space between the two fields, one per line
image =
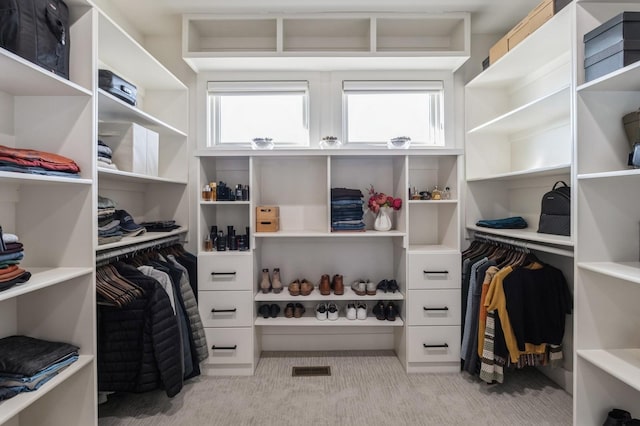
x=379 y=311
x=274 y=310
x=383 y=285
x=617 y=417
x=391 y=312
x=264 y=311
x=393 y=286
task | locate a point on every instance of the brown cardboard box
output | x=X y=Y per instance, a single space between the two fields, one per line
x=518 y=33
x=267 y=212
x=267 y=225
x=541 y=14
x=498 y=50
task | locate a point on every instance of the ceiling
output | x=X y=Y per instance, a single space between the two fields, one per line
x=162 y=17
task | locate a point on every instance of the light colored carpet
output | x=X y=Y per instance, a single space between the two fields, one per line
x=365 y=388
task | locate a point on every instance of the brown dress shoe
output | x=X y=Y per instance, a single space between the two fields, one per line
x=289 y=310
x=338 y=285
x=305 y=287
x=265 y=283
x=294 y=288
x=298 y=310
x=325 y=285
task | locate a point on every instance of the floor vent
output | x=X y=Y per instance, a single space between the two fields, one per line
x=311 y=371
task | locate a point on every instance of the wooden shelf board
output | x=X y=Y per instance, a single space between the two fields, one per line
x=551 y=108
x=12 y=407
x=146 y=237
x=123 y=176
x=623 y=364
x=30 y=179
x=42 y=278
x=629 y=271
x=315 y=295
x=311 y=321
x=525 y=174
x=527 y=234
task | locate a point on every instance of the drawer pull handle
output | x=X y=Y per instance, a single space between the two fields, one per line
x=221 y=348
x=435 y=309
x=223 y=273
x=214 y=310
x=444 y=345
x=436 y=272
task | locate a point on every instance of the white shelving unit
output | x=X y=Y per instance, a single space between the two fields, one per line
x=52 y=217
x=305 y=247
x=607 y=363
x=324 y=41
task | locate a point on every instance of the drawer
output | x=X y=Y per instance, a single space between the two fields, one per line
x=226 y=308
x=225 y=272
x=433 y=344
x=433 y=307
x=437 y=270
x=230 y=345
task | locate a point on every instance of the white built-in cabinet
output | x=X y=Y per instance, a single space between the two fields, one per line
x=421 y=252
x=162 y=107
x=53 y=217
x=607 y=337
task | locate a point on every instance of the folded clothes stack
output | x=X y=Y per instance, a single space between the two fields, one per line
x=515 y=222
x=108 y=226
x=11 y=253
x=37 y=162
x=105 y=155
x=27 y=363
x=160 y=226
x=346 y=210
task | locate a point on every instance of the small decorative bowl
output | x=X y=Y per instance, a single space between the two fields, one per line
x=401 y=142
x=330 y=142
x=262 y=143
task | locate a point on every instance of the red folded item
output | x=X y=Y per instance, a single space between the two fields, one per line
x=11 y=275
x=32 y=157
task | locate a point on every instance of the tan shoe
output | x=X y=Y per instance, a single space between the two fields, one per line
x=305 y=287
x=265 y=283
x=338 y=285
x=276 y=284
x=294 y=288
x=325 y=285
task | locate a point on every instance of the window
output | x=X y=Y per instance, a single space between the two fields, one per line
x=241 y=111
x=376 y=111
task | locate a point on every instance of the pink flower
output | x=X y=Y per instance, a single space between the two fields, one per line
x=381 y=199
x=397 y=204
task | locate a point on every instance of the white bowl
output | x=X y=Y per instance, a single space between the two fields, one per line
x=401 y=142
x=262 y=143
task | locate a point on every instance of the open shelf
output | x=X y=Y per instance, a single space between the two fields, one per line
x=12 y=407
x=315 y=295
x=313 y=322
x=526 y=174
x=122 y=176
x=525 y=234
x=425 y=248
x=623 y=79
x=432 y=201
x=42 y=278
x=631 y=173
x=29 y=179
x=623 y=364
x=321 y=234
x=224 y=203
x=146 y=237
x=628 y=271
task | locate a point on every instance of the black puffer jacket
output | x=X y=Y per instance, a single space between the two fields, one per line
x=139 y=346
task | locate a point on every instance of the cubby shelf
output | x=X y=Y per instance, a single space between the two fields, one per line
x=122 y=176
x=630 y=173
x=628 y=271
x=29 y=179
x=42 y=278
x=623 y=79
x=623 y=364
x=308 y=321
x=146 y=237
x=315 y=295
x=321 y=234
x=526 y=235
x=224 y=203
x=525 y=174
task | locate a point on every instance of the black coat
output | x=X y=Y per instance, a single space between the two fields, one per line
x=139 y=347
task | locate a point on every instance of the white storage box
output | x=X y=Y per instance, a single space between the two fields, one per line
x=135 y=148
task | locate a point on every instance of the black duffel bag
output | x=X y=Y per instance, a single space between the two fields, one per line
x=37 y=30
x=555 y=210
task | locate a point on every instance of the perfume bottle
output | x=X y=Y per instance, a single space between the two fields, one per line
x=239 y=193
x=436 y=194
x=415 y=195
x=221 y=242
x=208 y=243
x=446 y=194
x=206 y=193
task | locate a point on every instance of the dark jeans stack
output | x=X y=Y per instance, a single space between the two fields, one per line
x=11 y=253
x=346 y=210
x=27 y=363
x=108 y=226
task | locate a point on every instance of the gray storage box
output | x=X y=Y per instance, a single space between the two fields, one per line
x=614 y=57
x=624 y=26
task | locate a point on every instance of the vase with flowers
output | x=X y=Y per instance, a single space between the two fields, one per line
x=382 y=205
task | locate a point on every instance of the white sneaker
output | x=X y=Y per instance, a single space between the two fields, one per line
x=351 y=311
x=321 y=312
x=362 y=311
x=372 y=288
x=332 y=311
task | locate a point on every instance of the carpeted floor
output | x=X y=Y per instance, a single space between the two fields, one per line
x=368 y=388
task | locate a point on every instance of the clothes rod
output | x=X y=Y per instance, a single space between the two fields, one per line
x=523 y=244
x=161 y=242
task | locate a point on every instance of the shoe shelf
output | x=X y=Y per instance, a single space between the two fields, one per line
x=42 y=278
x=22 y=401
x=628 y=271
x=123 y=176
x=146 y=237
x=623 y=364
x=311 y=321
x=525 y=234
x=315 y=295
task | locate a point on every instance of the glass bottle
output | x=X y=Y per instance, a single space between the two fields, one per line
x=446 y=194
x=206 y=193
x=436 y=194
x=208 y=243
